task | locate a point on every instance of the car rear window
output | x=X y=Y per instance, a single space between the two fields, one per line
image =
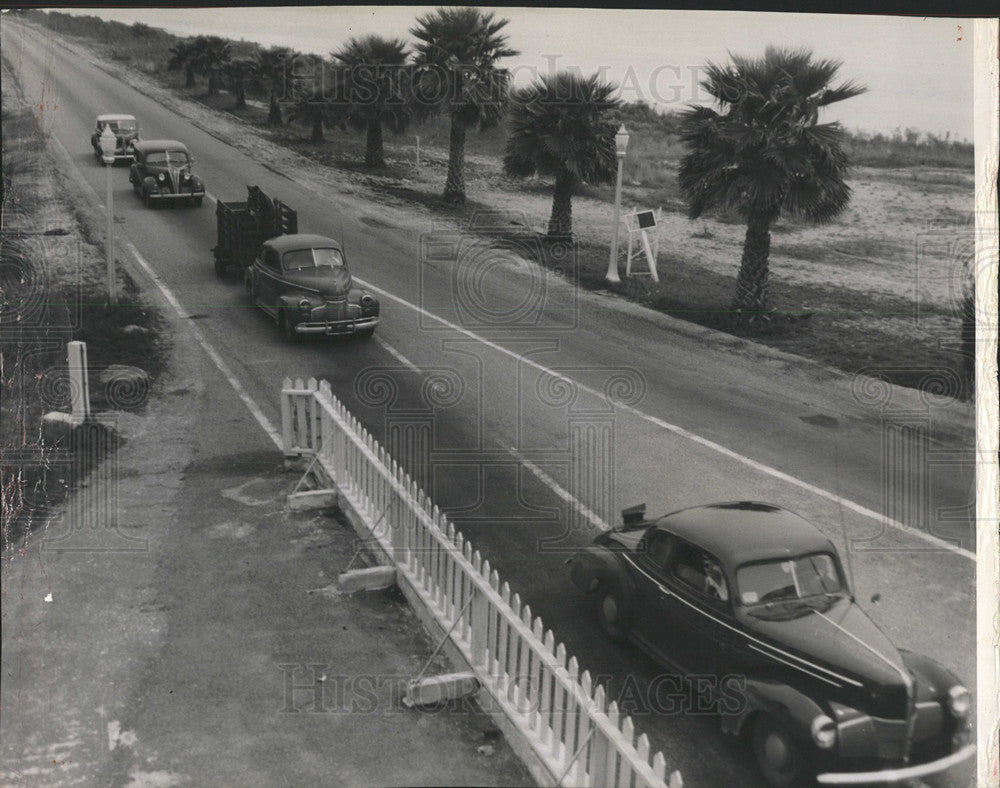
x=322 y=257
x=174 y=158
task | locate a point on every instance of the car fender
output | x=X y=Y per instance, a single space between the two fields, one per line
x=290 y=301
x=595 y=565
x=929 y=673
x=790 y=707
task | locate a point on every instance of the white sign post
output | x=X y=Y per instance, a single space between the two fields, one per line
x=76 y=356
x=640 y=223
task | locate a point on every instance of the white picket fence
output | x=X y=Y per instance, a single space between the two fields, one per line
x=580 y=737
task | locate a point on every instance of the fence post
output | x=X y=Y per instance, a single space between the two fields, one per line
x=286 y=417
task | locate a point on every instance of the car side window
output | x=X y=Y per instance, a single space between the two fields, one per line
x=658 y=547
x=700 y=572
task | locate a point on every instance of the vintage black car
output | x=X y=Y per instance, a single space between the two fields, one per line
x=303 y=282
x=753 y=594
x=126 y=131
x=162 y=173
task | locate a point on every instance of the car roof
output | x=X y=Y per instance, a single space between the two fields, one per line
x=145 y=146
x=746 y=531
x=110 y=118
x=288 y=243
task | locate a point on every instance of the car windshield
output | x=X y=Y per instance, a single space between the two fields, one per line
x=813 y=576
x=324 y=257
x=171 y=158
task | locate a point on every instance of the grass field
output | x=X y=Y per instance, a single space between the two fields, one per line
x=880 y=288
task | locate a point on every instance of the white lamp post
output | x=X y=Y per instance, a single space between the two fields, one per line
x=108 y=143
x=621 y=145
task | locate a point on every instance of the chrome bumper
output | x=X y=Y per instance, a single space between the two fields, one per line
x=175 y=195
x=900 y=774
x=336 y=327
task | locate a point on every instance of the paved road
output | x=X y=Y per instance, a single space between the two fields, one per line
x=676 y=417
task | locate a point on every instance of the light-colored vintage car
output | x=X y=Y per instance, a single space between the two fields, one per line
x=125 y=129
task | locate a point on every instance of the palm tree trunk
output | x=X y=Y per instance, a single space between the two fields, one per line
x=241 y=96
x=752 y=282
x=373 y=148
x=454 y=187
x=213 y=83
x=188 y=77
x=274 y=111
x=561 y=220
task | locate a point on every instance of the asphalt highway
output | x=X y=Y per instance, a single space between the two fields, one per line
x=549 y=409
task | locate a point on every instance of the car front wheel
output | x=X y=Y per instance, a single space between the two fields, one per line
x=779 y=756
x=612 y=611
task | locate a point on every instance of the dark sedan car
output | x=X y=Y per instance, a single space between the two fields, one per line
x=756 y=596
x=303 y=282
x=162 y=173
x=126 y=131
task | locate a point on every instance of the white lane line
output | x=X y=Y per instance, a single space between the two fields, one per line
x=559 y=490
x=227 y=373
x=397 y=355
x=757 y=466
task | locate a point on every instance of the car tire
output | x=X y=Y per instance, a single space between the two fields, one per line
x=287 y=329
x=611 y=610
x=779 y=756
x=365 y=333
x=146 y=200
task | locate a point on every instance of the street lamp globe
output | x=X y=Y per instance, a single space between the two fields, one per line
x=621 y=141
x=108 y=143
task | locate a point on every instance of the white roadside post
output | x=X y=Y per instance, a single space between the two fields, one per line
x=108 y=143
x=621 y=145
x=79 y=386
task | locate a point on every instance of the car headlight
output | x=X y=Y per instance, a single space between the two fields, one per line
x=959 y=701
x=305 y=304
x=367 y=300
x=186 y=176
x=161 y=177
x=824 y=731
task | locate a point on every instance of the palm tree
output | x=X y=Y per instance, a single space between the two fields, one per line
x=764 y=154
x=456 y=55
x=211 y=53
x=560 y=126
x=238 y=73
x=373 y=83
x=182 y=56
x=311 y=99
x=271 y=72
